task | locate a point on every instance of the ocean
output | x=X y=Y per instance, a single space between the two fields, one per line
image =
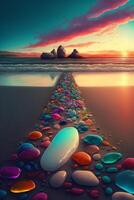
x=59 y=65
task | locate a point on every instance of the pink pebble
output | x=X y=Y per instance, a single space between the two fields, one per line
x=40 y=196
x=128 y=163
x=94 y=193
x=45 y=143
x=67 y=185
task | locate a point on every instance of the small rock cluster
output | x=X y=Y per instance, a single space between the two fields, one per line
x=66 y=150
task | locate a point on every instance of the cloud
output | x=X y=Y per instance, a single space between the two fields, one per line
x=86 y=24
x=85 y=44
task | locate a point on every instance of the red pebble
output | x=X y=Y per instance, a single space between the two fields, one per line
x=128 y=163
x=67 y=185
x=94 y=193
x=47 y=128
x=76 y=191
x=119 y=166
x=45 y=143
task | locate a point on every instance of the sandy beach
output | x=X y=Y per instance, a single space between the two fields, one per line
x=20 y=108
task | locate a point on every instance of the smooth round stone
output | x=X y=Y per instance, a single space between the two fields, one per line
x=108 y=191
x=111 y=158
x=125 y=181
x=40 y=196
x=97 y=156
x=3 y=194
x=10 y=172
x=122 y=196
x=128 y=163
x=45 y=143
x=58 y=179
x=93 y=139
x=94 y=193
x=61 y=149
x=112 y=170
x=56 y=116
x=84 y=177
x=23 y=186
x=25 y=146
x=77 y=191
x=57 y=126
x=92 y=149
x=89 y=122
x=29 y=154
x=34 y=135
x=106 y=179
x=99 y=166
x=82 y=158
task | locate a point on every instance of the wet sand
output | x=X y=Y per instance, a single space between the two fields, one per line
x=20 y=108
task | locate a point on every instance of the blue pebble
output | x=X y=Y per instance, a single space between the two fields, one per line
x=108 y=191
x=23 y=196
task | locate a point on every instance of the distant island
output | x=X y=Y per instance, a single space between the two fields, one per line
x=60 y=53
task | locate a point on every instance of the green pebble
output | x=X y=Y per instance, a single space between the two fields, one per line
x=99 y=166
x=106 y=179
x=112 y=169
x=108 y=191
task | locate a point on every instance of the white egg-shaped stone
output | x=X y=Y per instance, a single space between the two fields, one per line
x=58 y=179
x=60 y=150
x=84 y=177
x=122 y=196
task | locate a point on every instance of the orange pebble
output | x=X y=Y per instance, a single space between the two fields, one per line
x=82 y=158
x=23 y=186
x=34 y=135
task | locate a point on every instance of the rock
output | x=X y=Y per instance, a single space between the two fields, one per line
x=56 y=116
x=82 y=158
x=111 y=158
x=53 y=52
x=45 y=143
x=22 y=186
x=122 y=196
x=75 y=54
x=84 y=177
x=112 y=170
x=93 y=139
x=99 y=166
x=58 y=179
x=125 y=181
x=61 y=53
x=46 y=55
x=29 y=154
x=40 y=196
x=25 y=146
x=94 y=193
x=128 y=163
x=97 y=156
x=3 y=194
x=92 y=149
x=61 y=149
x=10 y=172
x=106 y=179
x=108 y=191
x=77 y=191
x=34 y=135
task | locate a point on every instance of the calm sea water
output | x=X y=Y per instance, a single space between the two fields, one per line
x=83 y=79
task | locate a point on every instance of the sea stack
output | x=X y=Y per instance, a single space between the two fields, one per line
x=61 y=52
x=74 y=54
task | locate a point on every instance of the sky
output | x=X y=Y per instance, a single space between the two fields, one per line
x=94 y=27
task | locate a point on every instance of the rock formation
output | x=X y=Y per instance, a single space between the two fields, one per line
x=74 y=54
x=61 y=52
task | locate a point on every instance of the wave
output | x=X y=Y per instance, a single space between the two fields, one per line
x=110 y=67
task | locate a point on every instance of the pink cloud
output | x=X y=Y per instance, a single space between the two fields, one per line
x=80 y=45
x=84 y=25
